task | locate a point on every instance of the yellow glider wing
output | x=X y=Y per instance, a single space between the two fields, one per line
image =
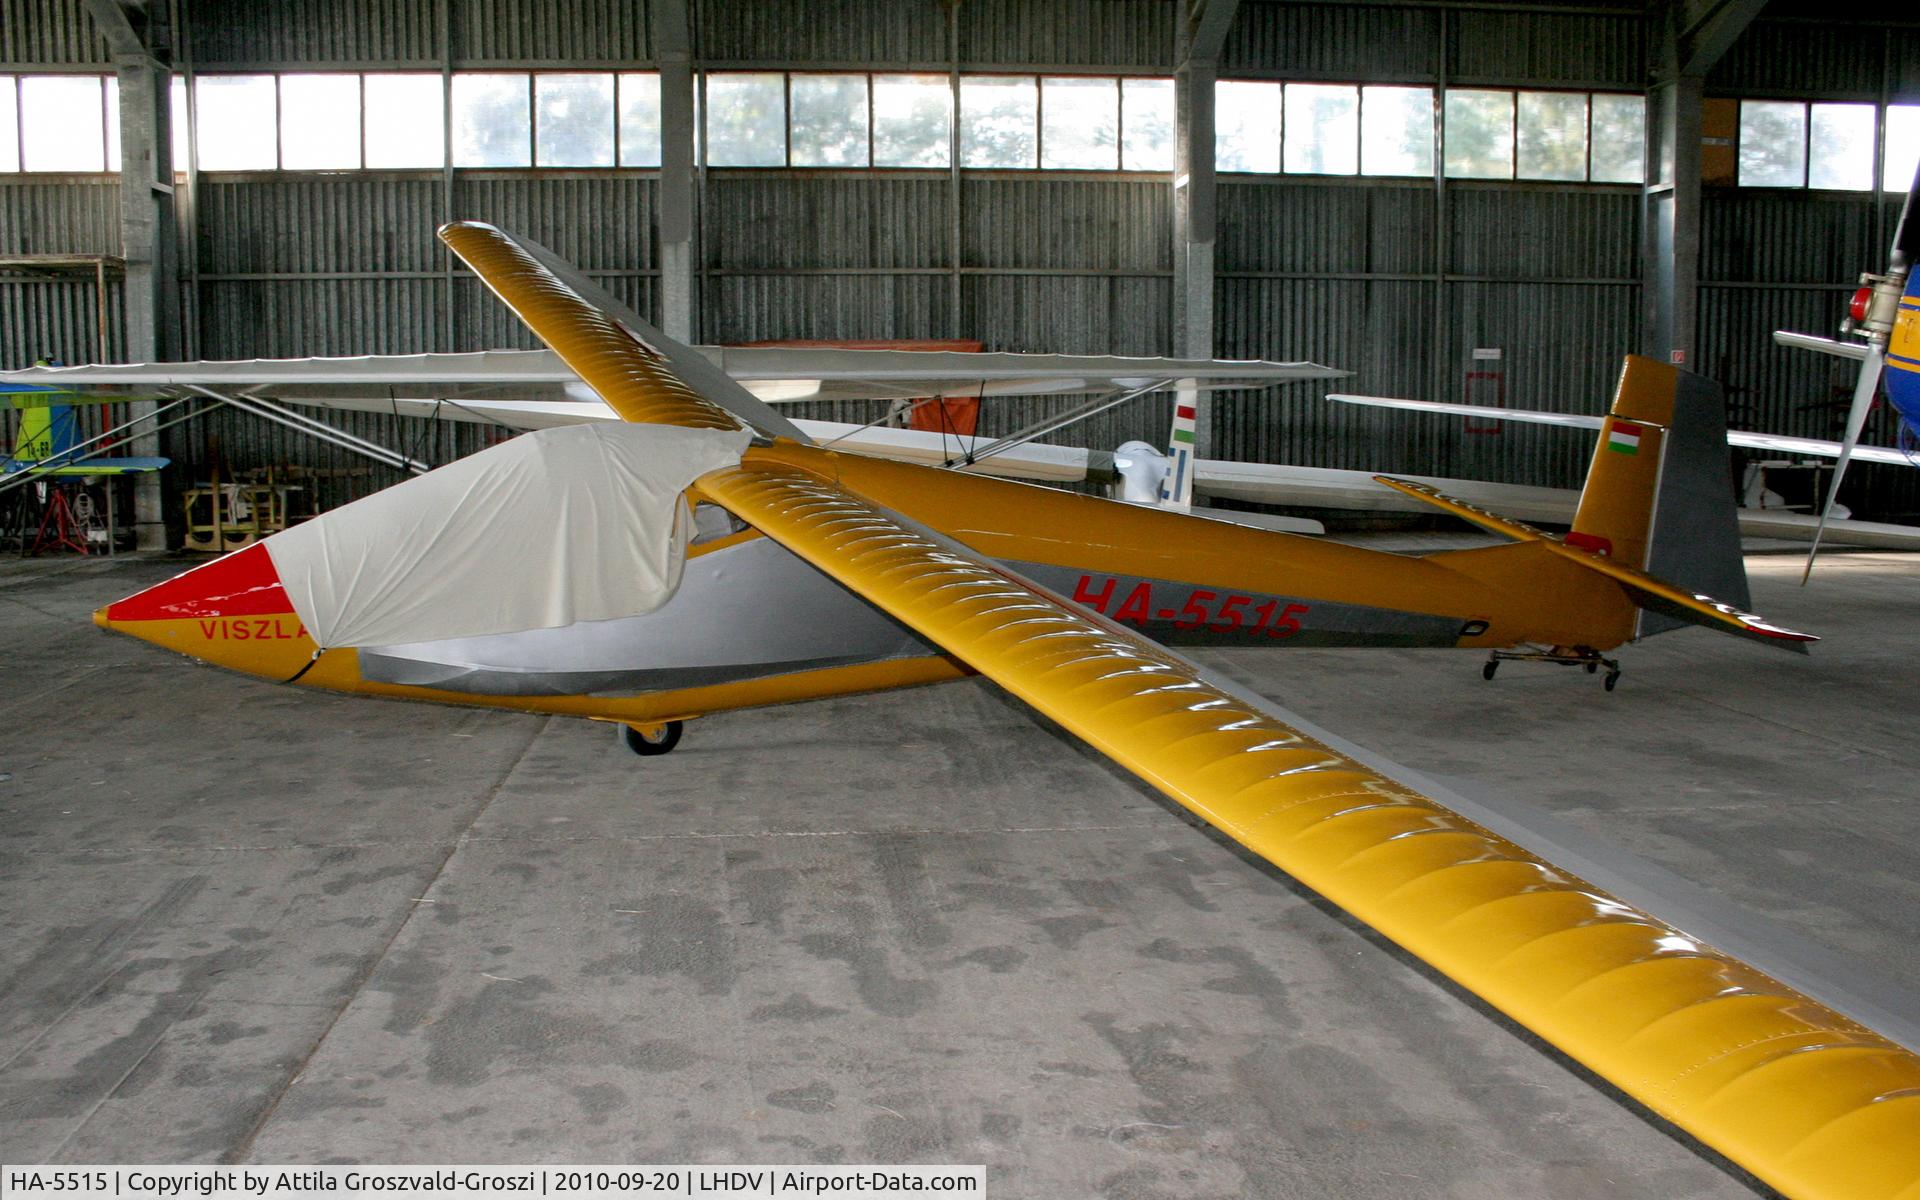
x=1646 y=590
x=633 y=379
x=1811 y=1102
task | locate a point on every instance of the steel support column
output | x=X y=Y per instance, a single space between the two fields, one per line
x=673 y=47
x=1672 y=215
x=1202 y=31
x=142 y=53
x=1694 y=35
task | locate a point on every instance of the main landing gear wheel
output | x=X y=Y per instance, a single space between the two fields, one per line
x=649 y=740
x=1613 y=677
x=1487 y=672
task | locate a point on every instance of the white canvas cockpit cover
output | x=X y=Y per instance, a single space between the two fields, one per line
x=563 y=525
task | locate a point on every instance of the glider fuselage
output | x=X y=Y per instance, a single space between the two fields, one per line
x=751 y=624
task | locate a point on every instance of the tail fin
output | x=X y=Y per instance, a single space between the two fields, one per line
x=1658 y=496
x=1176 y=490
x=46 y=431
x=1657 y=513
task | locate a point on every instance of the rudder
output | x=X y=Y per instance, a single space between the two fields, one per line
x=1659 y=496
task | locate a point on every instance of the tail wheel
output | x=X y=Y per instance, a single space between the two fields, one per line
x=649 y=740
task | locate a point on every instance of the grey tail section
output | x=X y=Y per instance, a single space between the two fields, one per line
x=1695 y=539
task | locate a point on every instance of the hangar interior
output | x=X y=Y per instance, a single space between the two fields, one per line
x=259 y=926
x=1347 y=243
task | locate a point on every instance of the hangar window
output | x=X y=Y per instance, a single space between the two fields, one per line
x=62 y=123
x=406 y=121
x=113 y=122
x=1773 y=143
x=1396 y=131
x=1618 y=146
x=1388 y=129
x=998 y=117
x=912 y=121
x=1146 y=124
x=1478 y=135
x=573 y=120
x=319 y=122
x=1322 y=126
x=1797 y=144
x=1246 y=126
x=177 y=97
x=1840 y=147
x=1903 y=147
x=747 y=120
x=640 y=119
x=1080 y=123
x=492 y=120
x=1551 y=136
x=234 y=122
x=9 y=121
x=829 y=127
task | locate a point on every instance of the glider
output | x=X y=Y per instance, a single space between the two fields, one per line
x=693 y=558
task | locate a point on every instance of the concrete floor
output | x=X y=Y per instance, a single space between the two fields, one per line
x=253 y=923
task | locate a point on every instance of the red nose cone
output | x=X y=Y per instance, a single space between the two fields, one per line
x=1858 y=308
x=232 y=612
x=243 y=584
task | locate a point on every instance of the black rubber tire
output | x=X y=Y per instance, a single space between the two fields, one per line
x=1592 y=667
x=1487 y=671
x=647 y=747
x=1613 y=677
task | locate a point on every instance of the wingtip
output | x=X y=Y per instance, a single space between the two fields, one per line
x=453 y=229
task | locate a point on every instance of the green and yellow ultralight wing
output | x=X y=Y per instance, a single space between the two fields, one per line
x=1808 y=1100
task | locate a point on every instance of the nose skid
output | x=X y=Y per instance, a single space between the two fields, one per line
x=232 y=612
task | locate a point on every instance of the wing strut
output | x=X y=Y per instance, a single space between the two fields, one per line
x=1046 y=425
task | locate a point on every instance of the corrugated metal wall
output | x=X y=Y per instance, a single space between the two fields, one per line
x=57 y=315
x=1788 y=259
x=1391 y=279
x=49 y=31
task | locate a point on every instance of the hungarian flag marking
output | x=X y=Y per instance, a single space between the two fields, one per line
x=1623 y=438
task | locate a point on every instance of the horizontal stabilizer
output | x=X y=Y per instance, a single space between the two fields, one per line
x=1488 y=412
x=1857 y=351
x=1519 y=531
x=1648 y=592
